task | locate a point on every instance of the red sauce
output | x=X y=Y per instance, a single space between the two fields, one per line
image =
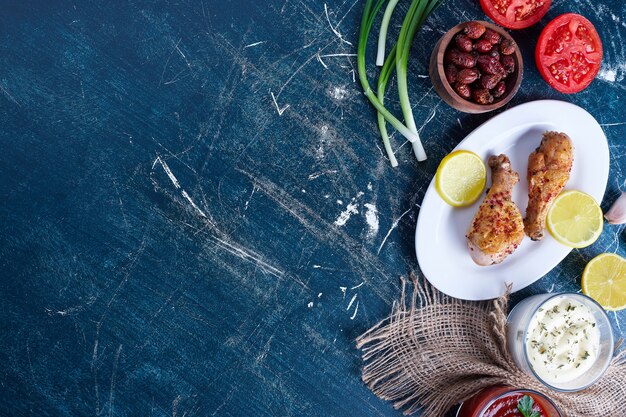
x=501 y=401
x=507 y=407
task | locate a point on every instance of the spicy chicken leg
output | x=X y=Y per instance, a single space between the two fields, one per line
x=497 y=228
x=549 y=167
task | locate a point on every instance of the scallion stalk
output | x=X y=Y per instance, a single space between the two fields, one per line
x=385 y=72
x=382 y=83
x=417 y=13
x=411 y=22
x=382 y=36
x=367 y=20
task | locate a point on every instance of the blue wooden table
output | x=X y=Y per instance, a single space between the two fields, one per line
x=196 y=217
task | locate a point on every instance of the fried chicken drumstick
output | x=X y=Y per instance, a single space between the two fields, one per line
x=549 y=168
x=497 y=228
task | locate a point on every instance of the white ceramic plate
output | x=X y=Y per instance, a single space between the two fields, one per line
x=440 y=235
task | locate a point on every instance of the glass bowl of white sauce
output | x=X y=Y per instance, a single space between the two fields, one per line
x=565 y=340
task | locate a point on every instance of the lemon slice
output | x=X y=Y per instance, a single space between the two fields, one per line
x=604 y=280
x=575 y=219
x=460 y=178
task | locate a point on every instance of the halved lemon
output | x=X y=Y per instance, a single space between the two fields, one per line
x=575 y=219
x=604 y=280
x=461 y=178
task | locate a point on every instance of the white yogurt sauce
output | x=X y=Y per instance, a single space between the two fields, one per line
x=562 y=340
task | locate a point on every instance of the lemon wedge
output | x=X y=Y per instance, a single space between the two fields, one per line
x=575 y=219
x=461 y=178
x=604 y=280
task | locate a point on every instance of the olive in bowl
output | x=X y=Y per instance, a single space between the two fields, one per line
x=476 y=67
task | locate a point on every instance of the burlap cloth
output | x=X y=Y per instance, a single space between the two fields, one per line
x=440 y=351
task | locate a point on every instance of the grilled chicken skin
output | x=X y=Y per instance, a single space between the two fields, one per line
x=549 y=168
x=497 y=228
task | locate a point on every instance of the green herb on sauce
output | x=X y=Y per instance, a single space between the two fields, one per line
x=525 y=406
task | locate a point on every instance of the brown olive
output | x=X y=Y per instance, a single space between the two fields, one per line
x=451 y=54
x=467 y=75
x=499 y=90
x=482 y=96
x=492 y=36
x=483 y=46
x=464 y=60
x=463 y=42
x=463 y=90
x=489 y=81
x=507 y=47
x=474 y=30
x=451 y=72
x=508 y=63
x=490 y=65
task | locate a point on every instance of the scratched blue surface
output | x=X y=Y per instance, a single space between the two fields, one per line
x=189 y=194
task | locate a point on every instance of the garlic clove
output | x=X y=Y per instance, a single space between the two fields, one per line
x=617 y=212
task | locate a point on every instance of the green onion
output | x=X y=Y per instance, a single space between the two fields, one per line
x=417 y=13
x=385 y=72
x=382 y=84
x=382 y=36
x=366 y=24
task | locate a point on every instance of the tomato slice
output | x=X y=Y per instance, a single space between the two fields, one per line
x=569 y=53
x=515 y=14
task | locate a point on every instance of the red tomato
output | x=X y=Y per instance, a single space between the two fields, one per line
x=569 y=53
x=515 y=14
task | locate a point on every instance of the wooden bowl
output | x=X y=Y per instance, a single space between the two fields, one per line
x=444 y=89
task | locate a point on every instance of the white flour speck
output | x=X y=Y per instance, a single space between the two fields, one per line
x=612 y=73
x=346 y=214
x=351 y=209
x=340 y=202
x=608 y=75
x=369 y=186
x=371 y=216
x=338 y=93
x=310 y=305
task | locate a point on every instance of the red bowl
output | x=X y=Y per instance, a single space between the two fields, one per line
x=480 y=404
